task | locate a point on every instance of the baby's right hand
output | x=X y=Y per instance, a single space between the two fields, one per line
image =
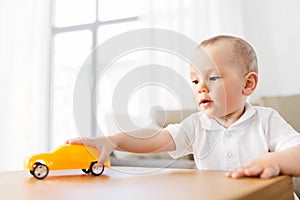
x=103 y=144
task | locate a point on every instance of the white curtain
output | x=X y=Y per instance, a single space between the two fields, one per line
x=197 y=19
x=24 y=79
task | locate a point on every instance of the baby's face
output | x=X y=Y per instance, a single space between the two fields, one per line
x=218 y=83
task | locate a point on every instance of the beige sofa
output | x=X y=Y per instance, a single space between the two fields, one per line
x=287 y=106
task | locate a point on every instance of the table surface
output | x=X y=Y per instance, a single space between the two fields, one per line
x=142 y=183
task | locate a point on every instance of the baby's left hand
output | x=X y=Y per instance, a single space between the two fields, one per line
x=263 y=167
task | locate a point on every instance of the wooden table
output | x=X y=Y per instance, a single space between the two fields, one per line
x=142 y=183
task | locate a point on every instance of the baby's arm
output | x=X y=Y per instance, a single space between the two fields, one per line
x=142 y=141
x=271 y=164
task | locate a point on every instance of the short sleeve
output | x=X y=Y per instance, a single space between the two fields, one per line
x=183 y=135
x=281 y=134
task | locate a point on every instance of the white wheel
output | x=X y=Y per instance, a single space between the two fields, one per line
x=40 y=171
x=96 y=169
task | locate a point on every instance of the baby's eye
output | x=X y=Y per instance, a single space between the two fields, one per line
x=195 y=82
x=214 y=78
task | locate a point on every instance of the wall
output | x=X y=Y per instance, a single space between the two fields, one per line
x=273 y=28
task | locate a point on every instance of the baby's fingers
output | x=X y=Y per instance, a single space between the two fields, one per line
x=253 y=170
x=269 y=173
x=75 y=141
x=104 y=154
x=236 y=173
x=245 y=171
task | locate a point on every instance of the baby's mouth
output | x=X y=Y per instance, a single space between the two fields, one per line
x=205 y=102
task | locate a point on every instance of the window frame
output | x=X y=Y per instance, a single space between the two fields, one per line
x=94 y=28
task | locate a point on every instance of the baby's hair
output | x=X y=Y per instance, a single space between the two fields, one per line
x=244 y=52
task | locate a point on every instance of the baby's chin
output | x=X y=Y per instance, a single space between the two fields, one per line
x=210 y=114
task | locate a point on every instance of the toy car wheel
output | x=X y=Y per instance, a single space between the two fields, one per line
x=87 y=171
x=40 y=171
x=31 y=171
x=96 y=169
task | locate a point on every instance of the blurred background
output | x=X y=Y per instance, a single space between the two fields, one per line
x=44 y=43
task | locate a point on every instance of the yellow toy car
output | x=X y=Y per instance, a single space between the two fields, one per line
x=68 y=156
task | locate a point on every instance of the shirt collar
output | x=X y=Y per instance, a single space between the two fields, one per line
x=211 y=124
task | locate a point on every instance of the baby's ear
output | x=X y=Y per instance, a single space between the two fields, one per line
x=251 y=80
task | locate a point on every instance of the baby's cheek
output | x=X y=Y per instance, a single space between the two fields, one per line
x=220 y=94
x=233 y=97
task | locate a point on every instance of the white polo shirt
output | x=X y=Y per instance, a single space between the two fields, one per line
x=258 y=131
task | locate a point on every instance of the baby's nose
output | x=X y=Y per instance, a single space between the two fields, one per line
x=202 y=87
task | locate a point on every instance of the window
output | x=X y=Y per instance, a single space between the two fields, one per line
x=70 y=12
x=71 y=48
x=78 y=27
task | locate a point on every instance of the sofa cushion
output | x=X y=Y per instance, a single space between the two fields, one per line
x=287 y=106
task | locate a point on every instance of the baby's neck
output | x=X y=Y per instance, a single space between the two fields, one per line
x=231 y=118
